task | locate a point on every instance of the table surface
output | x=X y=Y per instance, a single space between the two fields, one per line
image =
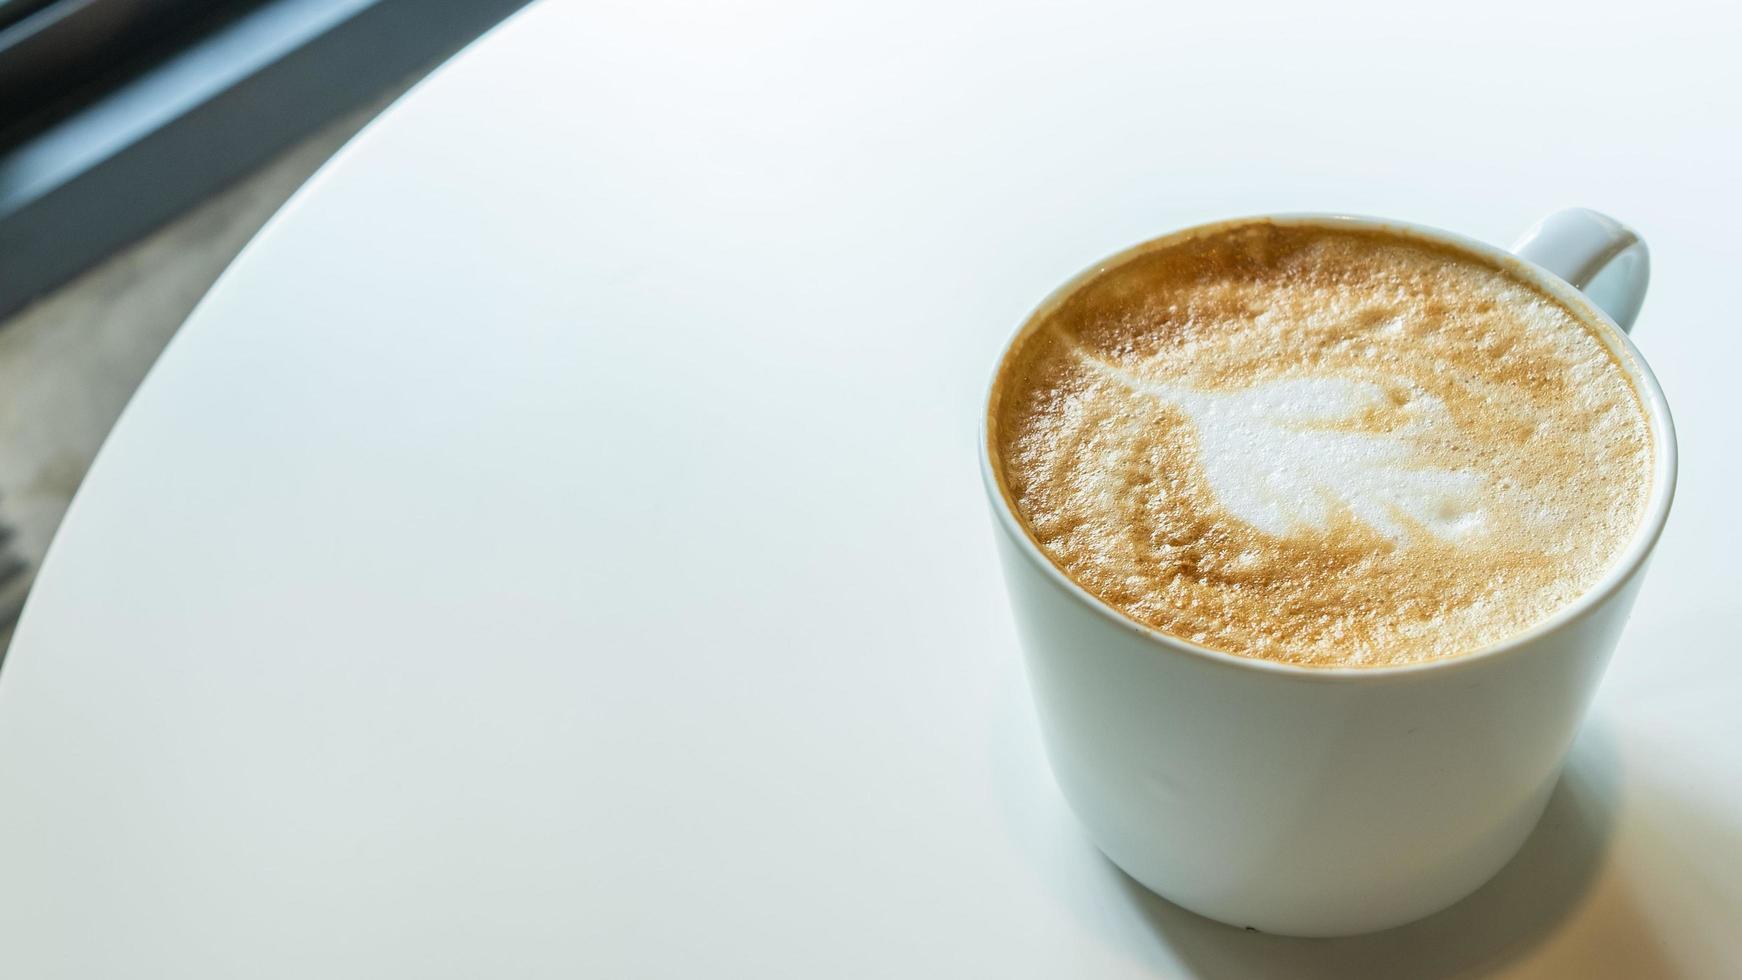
x=555 y=546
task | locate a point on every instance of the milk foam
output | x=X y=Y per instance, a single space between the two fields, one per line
x=1321 y=446
x=1272 y=457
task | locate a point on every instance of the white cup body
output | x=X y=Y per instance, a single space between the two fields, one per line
x=1314 y=801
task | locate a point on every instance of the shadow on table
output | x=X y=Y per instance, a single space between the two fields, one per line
x=1501 y=922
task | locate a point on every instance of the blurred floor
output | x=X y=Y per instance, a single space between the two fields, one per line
x=70 y=361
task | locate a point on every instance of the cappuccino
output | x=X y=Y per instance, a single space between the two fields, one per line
x=1321 y=445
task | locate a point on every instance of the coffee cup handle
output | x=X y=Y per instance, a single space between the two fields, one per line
x=1600 y=256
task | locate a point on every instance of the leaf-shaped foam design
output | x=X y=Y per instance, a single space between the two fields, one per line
x=1274 y=457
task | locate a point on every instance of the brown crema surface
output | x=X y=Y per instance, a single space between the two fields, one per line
x=1320 y=445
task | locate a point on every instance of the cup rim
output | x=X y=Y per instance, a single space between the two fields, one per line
x=1624 y=567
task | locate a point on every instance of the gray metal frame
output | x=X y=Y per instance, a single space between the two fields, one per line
x=148 y=148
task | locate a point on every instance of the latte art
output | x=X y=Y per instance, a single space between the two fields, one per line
x=1321 y=446
x=1275 y=455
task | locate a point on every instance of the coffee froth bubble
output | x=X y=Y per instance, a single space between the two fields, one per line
x=1321 y=445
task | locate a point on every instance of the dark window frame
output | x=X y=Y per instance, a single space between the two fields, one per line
x=131 y=124
x=62 y=52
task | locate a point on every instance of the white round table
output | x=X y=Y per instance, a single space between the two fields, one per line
x=555 y=547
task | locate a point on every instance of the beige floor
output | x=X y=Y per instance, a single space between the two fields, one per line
x=70 y=361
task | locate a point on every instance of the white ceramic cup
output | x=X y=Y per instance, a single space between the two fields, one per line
x=1317 y=801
